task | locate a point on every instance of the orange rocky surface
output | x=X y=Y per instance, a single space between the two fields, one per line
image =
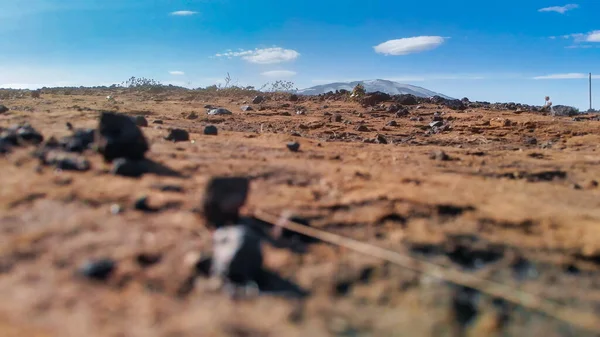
x=510 y=196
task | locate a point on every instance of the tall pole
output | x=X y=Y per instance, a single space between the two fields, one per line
x=590 y=91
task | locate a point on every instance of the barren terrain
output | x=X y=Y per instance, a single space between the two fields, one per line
x=508 y=195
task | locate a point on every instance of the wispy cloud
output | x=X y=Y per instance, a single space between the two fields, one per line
x=263 y=56
x=567 y=76
x=409 y=45
x=559 y=9
x=176 y=72
x=183 y=13
x=580 y=39
x=279 y=73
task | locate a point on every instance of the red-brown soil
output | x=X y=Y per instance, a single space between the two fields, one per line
x=522 y=184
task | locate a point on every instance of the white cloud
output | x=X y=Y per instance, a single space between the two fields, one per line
x=279 y=73
x=559 y=9
x=263 y=56
x=176 y=72
x=567 y=76
x=183 y=13
x=593 y=36
x=409 y=45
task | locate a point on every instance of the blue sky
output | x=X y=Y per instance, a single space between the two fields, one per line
x=486 y=50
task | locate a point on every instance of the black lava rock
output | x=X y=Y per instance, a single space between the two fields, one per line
x=178 y=135
x=141 y=204
x=211 y=130
x=98 y=270
x=65 y=161
x=406 y=99
x=258 y=100
x=79 y=141
x=117 y=136
x=223 y=198
x=293 y=97
x=375 y=98
x=293 y=146
x=237 y=255
x=3 y=109
x=392 y=123
x=246 y=108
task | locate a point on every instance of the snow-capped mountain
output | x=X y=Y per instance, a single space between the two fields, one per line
x=388 y=87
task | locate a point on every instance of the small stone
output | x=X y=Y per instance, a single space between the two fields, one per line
x=79 y=141
x=436 y=124
x=237 y=255
x=300 y=112
x=192 y=115
x=381 y=139
x=141 y=121
x=65 y=161
x=293 y=146
x=392 y=123
x=98 y=270
x=209 y=107
x=337 y=118
x=119 y=137
x=530 y=141
x=293 y=97
x=116 y=209
x=362 y=128
x=439 y=155
x=141 y=204
x=210 y=130
x=246 y=108
x=223 y=198
x=157 y=121
x=3 y=109
x=258 y=100
x=178 y=135
x=128 y=167
x=219 y=111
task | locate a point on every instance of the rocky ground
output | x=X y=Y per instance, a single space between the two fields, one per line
x=509 y=195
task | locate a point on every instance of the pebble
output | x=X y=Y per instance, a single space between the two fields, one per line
x=362 y=128
x=178 y=135
x=439 y=155
x=293 y=146
x=116 y=209
x=3 y=109
x=237 y=255
x=436 y=124
x=141 y=204
x=219 y=111
x=192 y=115
x=258 y=100
x=98 y=269
x=337 y=118
x=210 y=130
x=392 y=123
x=158 y=121
x=246 y=108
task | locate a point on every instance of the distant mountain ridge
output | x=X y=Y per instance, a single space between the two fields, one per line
x=388 y=87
